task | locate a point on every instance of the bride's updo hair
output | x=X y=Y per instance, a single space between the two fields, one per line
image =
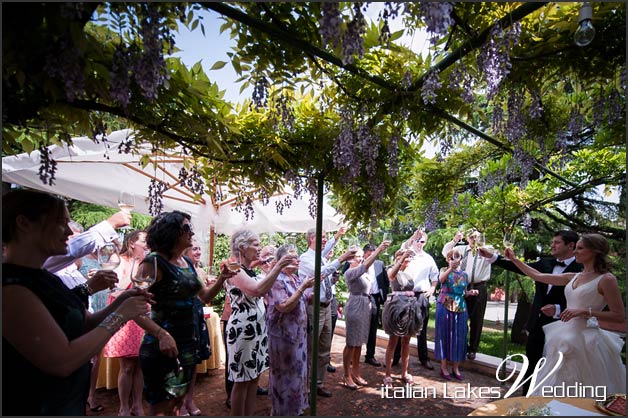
x=599 y=245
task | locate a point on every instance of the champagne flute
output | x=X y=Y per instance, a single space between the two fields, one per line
x=386 y=237
x=508 y=240
x=480 y=239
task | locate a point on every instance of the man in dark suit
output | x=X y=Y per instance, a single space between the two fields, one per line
x=549 y=301
x=379 y=290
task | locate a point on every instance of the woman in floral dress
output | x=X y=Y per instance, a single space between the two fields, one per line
x=451 y=316
x=287 y=340
x=247 y=337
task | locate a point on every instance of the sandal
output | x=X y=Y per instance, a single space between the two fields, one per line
x=359 y=381
x=97 y=408
x=408 y=379
x=348 y=385
x=388 y=382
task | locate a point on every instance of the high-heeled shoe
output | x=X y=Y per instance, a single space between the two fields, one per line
x=348 y=385
x=445 y=376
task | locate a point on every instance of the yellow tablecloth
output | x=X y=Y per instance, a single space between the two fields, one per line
x=109 y=367
x=500 y=407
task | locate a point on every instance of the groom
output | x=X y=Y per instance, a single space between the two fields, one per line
x=549 y=301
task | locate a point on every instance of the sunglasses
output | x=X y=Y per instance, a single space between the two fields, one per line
x=187 y=228
x=422 y=241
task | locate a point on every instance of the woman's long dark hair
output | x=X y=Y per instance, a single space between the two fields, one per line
x=34 y=205
x=164 y=231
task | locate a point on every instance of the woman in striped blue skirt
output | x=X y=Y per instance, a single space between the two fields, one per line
x=451 y=316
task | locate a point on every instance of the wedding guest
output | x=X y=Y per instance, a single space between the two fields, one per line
x=424 y=273
x=450 y=339
x=194 y=253
x=247 y=337
x=169 y=351
x=125 y=344
x=402 y=315
x=479 y=272
x=549 y=300
x=359 y=307
x=287 y=340
x=307 y=263
x=380 y=286
x=592 y=356
x=48 y=334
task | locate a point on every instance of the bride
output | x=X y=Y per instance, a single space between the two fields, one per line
x=592 y=356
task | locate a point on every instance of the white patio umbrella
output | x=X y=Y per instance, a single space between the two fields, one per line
x=91 y=172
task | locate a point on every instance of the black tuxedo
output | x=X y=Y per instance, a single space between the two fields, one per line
x=536 y=320
x=381 y=275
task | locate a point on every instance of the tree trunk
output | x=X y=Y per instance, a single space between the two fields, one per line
x=521 y=317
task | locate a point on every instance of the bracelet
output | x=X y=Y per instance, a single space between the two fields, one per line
x=113 y=322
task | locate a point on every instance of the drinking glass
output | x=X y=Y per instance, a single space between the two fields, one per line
x=212 y=276
x=233 y=264
x=126 y=202
x=109 y=260
x=293 y=251
x=108 y=256
x=508 y=240
x=480 y=239
x=354 y=244
x=272 y=240
x=386 y=237
x=145 y=279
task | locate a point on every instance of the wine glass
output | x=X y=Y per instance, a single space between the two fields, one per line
x=108 y=256
x=212 y=276
x=508 y=240
x=109 y=259
x=272 y=240
x=145 y=279
x=126 y=202
x=233 y=264
x=354 y=244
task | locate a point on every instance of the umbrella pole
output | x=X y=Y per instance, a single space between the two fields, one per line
x=317 y=295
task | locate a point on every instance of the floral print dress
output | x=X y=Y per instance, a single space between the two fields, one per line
x=247 y=339
x=287 y=346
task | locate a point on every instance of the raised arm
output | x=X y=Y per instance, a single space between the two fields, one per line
x=259 y=288
x=371 y=259
x=392 y=272
x=553 y=279
x=208 y=293
x=291 y=302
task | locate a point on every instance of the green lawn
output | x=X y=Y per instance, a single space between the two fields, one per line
x=491 y=342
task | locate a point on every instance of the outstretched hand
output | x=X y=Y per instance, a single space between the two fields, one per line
x=485 y=252
x=509 y=253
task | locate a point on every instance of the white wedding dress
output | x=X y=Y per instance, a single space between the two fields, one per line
x=591 y=355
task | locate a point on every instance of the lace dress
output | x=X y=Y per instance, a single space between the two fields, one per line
x=591 y=356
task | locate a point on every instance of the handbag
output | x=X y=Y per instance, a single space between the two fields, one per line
x=451 y=304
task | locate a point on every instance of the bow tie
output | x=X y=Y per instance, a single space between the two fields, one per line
x=560 y=264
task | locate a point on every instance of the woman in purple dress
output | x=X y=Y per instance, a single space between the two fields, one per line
x=451 y=316
x=287 y=340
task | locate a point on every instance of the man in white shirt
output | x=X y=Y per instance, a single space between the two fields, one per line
x=479 y=272
x=380 y=286
x=307 y=263
x=424 y=273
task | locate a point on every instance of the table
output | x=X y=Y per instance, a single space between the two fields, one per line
x=500 y=407
x=109 y=367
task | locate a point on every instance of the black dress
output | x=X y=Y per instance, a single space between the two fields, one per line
x=165 y=377
x=26 y=390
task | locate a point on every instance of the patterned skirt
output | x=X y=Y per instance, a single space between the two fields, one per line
x=402 y=315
